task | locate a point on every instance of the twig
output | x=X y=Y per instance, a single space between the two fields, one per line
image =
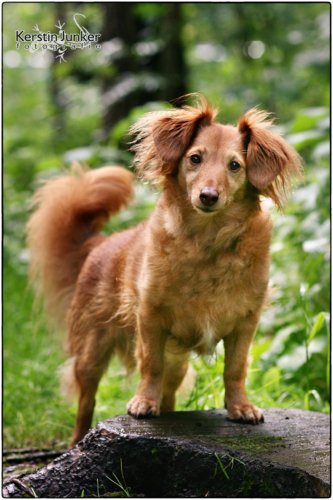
x=28 y=457
x=24 y=450
x=24 y=487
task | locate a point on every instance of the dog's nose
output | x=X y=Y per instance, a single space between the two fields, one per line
x=208 y=196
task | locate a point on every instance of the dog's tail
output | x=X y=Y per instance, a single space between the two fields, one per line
x=70 y=212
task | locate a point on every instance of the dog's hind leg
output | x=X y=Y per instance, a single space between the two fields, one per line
x=90 y=364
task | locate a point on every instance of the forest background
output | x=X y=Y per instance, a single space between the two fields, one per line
x=79 y=106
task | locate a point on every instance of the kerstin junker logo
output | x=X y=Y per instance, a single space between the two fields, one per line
x=57 y=42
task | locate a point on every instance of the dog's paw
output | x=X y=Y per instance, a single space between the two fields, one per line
x=245 y=413
x=141 y=407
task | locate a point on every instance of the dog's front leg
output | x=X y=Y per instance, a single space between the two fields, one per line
x=237 y=346
x=150 y=354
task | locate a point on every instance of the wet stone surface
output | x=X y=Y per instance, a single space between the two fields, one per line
x=192 y=454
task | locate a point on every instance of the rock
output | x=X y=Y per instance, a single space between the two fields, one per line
x=191 y=454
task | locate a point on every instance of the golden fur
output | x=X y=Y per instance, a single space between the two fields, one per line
x=194 y=273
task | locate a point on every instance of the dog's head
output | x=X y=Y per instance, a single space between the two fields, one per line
x=215 y=164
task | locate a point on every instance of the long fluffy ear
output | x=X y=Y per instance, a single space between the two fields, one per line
x=271 y=162
x=172 y=135
x=163 y=137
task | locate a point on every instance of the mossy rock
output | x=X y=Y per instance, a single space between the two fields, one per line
x=194 y=454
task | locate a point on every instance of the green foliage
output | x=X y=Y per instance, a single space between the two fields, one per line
x=246 y=54
x=291 y=363
x=121 y=129
x=301 y=274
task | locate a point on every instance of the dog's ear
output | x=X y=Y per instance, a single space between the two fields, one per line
x=172 y=135
x=270 y=160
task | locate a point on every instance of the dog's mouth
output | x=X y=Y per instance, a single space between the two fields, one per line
x=206 y=210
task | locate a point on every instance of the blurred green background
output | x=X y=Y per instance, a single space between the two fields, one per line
x=275 y=55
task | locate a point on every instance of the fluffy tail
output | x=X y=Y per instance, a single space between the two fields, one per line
x=70 y=212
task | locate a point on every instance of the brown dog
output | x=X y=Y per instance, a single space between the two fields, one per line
x=194 y=273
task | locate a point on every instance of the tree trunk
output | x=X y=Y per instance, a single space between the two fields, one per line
x=149 y=66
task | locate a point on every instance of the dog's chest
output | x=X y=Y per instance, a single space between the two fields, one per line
x=202 y=292
x=206 y=298
x=206 y=279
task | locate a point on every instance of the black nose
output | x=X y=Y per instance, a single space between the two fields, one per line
x=209 y=196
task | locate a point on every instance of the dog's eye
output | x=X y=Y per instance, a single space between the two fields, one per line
x=195 y=159
x=234 y=165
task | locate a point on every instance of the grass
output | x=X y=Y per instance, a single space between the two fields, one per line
x=124 y=488
x=230 y=464
x=33 y=413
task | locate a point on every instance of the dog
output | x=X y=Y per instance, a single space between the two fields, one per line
x=195 y=272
